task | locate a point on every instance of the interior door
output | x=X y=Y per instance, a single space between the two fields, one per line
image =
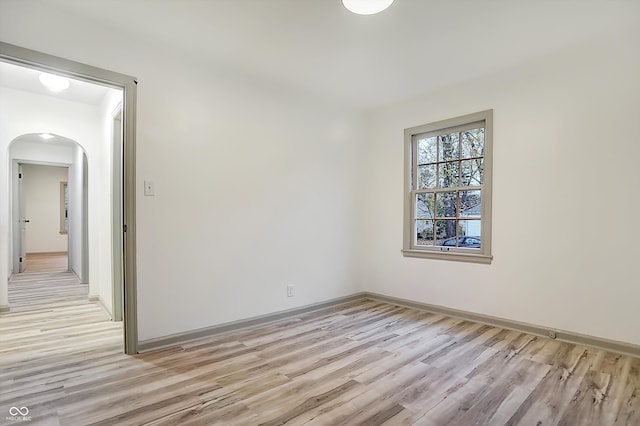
x=23 y=222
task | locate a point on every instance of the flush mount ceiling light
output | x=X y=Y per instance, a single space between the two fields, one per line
x=366 y=7
x=46 y=136
x=55 y=83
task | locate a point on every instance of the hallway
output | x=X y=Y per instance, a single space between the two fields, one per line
x=52 y=329
x=46 y=283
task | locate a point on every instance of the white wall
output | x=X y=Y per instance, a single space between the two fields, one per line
x=258 y=187
x=77 y=216
x=23 y=113
x=253 y=192
x=102 y=220
x=564 y=202
x=41 y=191
x=40 y=152
x=254 y=184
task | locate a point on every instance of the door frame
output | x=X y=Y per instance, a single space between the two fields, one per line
x=116 y=214
x=16 y=195
x=18 y=203
x=41 y=61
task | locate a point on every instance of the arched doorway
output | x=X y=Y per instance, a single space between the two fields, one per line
x=49 y=156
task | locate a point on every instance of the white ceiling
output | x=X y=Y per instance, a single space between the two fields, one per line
x=414 y=47
x=27 y=79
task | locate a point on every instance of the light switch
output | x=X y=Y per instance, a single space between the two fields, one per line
x=149 y=188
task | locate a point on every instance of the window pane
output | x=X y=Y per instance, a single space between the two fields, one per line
x=449 y=147
x=446 y=204
x=427 y=150
x=472 y=143
x=470 y=204
x=448 y=174
x=472 y=172
x=470 y=228
x=445 y=232
x=450 y=242
x=427 y=176
x=425 y=206
x=424 y=232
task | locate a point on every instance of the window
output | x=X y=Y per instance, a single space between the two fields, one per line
x=64 y=208
x=448 y=189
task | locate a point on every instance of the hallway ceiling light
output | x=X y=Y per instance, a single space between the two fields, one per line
x=46 y=136
x=366 y=7
x=55 y=83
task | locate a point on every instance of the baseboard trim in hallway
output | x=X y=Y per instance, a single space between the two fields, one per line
x=48 y=253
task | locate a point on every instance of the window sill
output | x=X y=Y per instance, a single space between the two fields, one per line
x=455 y=256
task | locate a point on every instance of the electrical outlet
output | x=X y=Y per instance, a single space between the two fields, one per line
x=289 y=290
x=552 y=334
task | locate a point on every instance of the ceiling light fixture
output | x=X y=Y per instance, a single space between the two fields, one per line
x=366 y=7
x=55 y=83
x=46 y=136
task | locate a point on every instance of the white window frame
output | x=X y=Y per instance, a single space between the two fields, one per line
x=410 y=247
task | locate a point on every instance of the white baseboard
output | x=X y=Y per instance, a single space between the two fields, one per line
x=48 y=253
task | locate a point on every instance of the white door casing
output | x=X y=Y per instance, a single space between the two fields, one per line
x=22 y=237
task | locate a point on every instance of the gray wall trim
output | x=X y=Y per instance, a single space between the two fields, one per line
x=4 y=309
x=130 y=269
x=42 y=61
x=179 y=338
x=536 y=330
x=409 y=248
x=45 y=62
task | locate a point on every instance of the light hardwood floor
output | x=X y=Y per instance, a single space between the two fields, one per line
x=46 y=283
x=362 y=363
x=46 y=262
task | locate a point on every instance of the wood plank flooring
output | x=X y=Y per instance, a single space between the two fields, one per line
x=47 y=262
x=40 y=290
x=362 y=363
x=46 y=283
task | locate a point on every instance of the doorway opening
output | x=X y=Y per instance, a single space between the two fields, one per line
x=41 y=225
x=109 y=237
